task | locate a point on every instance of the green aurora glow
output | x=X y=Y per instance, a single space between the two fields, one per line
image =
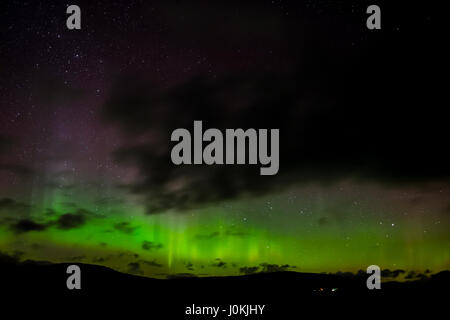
x=295 y=228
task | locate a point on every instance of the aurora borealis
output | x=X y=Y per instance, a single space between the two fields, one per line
x=86 y=117
x=223 y=239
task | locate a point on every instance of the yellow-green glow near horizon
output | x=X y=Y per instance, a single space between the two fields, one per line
x=195 y=242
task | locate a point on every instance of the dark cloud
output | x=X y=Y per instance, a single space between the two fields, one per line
x=248 y=270
x=386 y=273
x=267 y=267
x=190 y=266
x=151 y=263
x=413 y=275
x=125 y=227
x=219 y=264
x=149 y=245
x=74 y=220
x=14 y=258
x=65 y=221
x=337 y=118
x=70 y=221
x=233 y=232
x=322 y=221
x=208 y=236
x=27 y=225
x=129 y=254
x=421 y=276
x=391 y=274
x=135 y=268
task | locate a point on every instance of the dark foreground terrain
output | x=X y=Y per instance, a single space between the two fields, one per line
x=40 y=289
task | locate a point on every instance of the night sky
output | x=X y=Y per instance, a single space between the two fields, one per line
x=86 y=118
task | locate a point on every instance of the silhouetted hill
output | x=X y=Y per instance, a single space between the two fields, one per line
x=283 y=293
